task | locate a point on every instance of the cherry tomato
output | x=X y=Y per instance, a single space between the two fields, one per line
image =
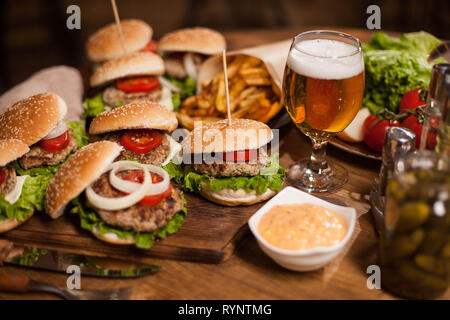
x=374 y=130
x=2 y=176
x=139 y=84
x=151 y=46
x=141 y=140
x=411 y=122
x=411 y=100
x=138 y=176
x=55 y=144
x=240 y=155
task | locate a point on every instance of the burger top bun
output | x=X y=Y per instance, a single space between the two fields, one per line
x=10 y=150
x=105 y=44
x=33 y=118
x=141 y=115
x=218 y=136
x=133 y=64
x=77 y=173
x=199 y=40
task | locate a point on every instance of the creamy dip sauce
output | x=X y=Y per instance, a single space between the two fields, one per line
x=301 y=227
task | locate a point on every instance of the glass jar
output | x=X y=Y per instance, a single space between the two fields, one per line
x=415 y=243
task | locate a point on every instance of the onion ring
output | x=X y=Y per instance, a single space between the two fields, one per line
x=189 y=65
x=60 y=128
x=168 y=84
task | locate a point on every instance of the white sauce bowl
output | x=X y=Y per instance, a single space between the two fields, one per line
x=302 y=260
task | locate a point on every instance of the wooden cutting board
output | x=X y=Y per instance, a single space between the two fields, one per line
x=209 y=233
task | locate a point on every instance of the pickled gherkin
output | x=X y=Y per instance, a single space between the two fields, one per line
x=415 y=244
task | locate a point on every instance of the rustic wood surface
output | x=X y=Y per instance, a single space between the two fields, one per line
x=249 y=273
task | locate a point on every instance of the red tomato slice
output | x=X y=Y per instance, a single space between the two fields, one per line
x=141 y=140
x=240 y=155
x=374 y=130
x=411 y=100
x=55 y=144
x=151 y=46
x=2 y=176
x=139 y=84
x=138 y=176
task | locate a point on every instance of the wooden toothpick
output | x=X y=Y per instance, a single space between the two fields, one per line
x=116 y=16
x=225 y=75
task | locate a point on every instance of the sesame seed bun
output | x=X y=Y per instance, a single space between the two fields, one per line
x=142 y=115
x=112 y=238
x=134 y=64
x=218 y=136
x=105 y=44
x=77 y=173
x=9 y=224
x=200 y=40
x=231 y=198
x=31 y=119
x=10 y=150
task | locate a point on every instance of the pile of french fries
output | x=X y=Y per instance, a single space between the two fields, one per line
x=253 y=94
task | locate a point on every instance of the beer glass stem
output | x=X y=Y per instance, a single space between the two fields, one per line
x=318 y=160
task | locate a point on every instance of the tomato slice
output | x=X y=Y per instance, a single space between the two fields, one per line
x=141 y=140
x=240 y=155
x=138 y=84
x=151 y=46
x=2 y=176
x=138 y=176
x=55 y=144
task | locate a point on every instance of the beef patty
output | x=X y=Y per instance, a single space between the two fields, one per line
x=230 y=169
x=155 y=156
x=38 y=156
x=112 y=96
x=10 y=180
x=137 y=217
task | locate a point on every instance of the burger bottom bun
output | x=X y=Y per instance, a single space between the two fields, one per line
x=112 y=238
x=9 y=224
x=230 y=197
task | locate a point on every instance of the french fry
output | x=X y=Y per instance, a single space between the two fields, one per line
x=253 y=72
x=235 y=65
x=185 y=120
x=220 y=97
x=189 y=102
x=203 y=103
x=276 y=106
x=257 y=81
x=251 y=62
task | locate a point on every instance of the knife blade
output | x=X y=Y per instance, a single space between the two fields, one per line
x=52 y=260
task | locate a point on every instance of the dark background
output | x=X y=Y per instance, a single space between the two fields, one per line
x=33 y=34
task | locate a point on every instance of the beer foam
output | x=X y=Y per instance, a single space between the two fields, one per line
x=314 y=58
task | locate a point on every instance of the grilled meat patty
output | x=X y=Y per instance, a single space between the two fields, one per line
x=138 y=217
x=112 y=96
x=11 y=179
x=230 y=169
x=38 y=156
x=155 y=156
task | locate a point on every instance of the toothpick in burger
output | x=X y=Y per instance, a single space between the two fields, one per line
x=123 y=202
x=229 y=164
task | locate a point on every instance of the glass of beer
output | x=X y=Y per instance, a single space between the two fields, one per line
x=323 y=88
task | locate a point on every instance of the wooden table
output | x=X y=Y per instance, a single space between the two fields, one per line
x=249 y=273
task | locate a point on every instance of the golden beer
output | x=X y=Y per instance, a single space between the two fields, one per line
x=322 y=98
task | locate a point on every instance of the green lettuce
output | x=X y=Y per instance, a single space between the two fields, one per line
x=78 y=132
x=271 y=177
x=32 y=196
x=175 y=172
x=93 y=106
x=188 y=88
x=143 y=240
x=394 y=66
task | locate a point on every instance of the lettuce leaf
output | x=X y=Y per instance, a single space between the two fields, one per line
x=143 y=240
x=271 y=177
x=188 y=88
x=78 y=132
x=394 y=66
x=33 y=192
x=93 y=106
x=175 y=172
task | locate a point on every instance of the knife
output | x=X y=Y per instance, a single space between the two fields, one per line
x=58 y=261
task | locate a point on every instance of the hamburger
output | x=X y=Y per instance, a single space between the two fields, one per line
x=105 y=44
x=38 y=121
x=229 y=164
x=124 y=202
x=142 y=129
x=19 y=195
x=128 y=79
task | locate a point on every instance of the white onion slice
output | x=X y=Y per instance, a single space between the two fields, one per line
x=60 y=128
x=126 y=201
x=189 y=65
x=169 y=84
x=129 y=186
